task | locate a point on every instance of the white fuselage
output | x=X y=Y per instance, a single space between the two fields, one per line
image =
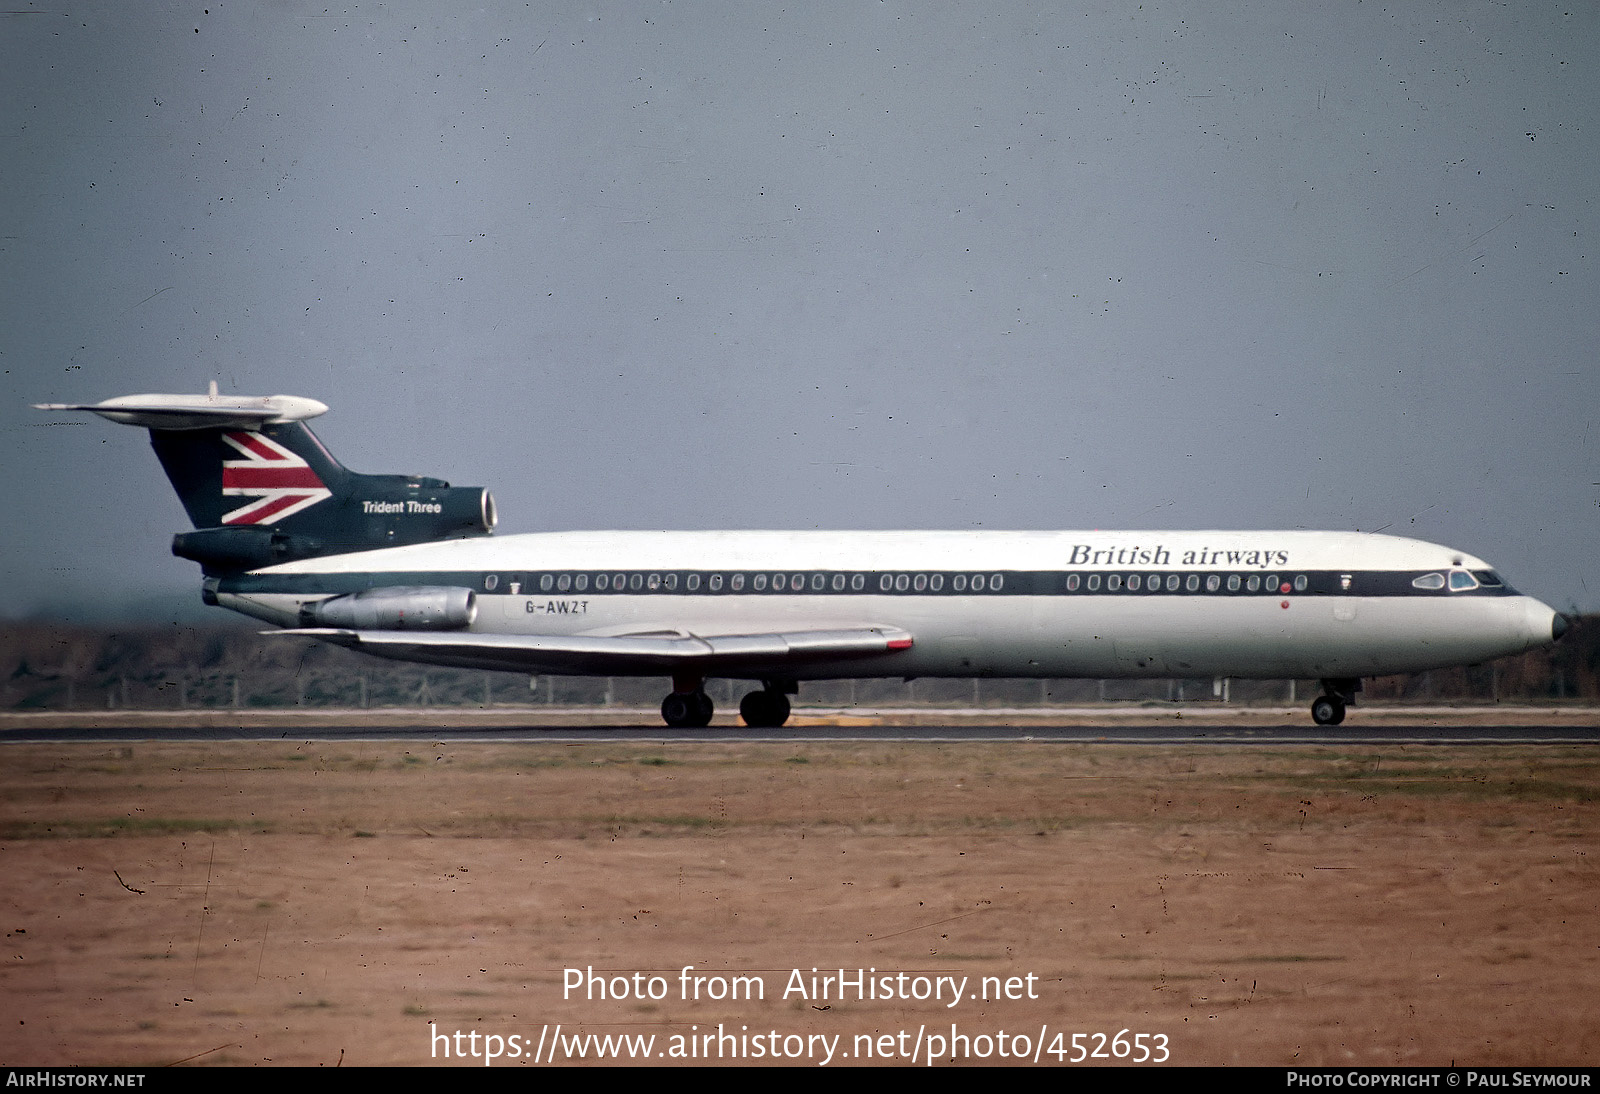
x=1067 y=604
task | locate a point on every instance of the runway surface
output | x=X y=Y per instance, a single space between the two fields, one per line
x=1173 y=732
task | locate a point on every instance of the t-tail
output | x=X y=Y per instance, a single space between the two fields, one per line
x=261 y=489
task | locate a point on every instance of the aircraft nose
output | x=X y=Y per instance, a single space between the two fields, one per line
x=1539 y=624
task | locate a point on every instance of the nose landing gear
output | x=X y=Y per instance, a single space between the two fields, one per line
x=1328 y=708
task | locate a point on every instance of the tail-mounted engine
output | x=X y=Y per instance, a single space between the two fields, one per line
x=390 y=512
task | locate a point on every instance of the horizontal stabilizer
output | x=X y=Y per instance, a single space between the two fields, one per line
x=187 y=412
x=622 y=655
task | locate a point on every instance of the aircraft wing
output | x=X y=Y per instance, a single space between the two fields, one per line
x=748 y=655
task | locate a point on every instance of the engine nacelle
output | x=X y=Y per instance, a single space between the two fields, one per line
x=397 y=608
x=245 y=547
x=395 y=510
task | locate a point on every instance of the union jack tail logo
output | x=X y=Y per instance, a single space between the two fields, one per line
x=282 y=483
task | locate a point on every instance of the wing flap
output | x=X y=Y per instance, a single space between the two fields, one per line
x=619 y=655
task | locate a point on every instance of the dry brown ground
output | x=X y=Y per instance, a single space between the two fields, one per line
x=319 y=903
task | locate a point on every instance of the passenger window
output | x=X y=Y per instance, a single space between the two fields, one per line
x=490 y=582
x=959 y=583
x=1072 y=583
x=1193 y=583
x=838 y=583
x=692 y=582
x=858 y=582
x=1172 y=583
x=600 y=582
x=1114 y=582
x=545 y=581
x=563 y=583
x=1233 y=583
x=1429 y=581
x=919 y=583
x=671 y=581
x=760 y=582
x=1300 y=583
x=1094 y=582
x=736 y=582
x=996 y=581
x=581 y=582
x=901 y=582
x=619 y=582
x=1213 y=583
x=636 y=582
x=1254 y=583
x=797 y=582
x=1133 y=583
x=977 y=583
x=653 y=582
x=936 y=582
x=716 y=582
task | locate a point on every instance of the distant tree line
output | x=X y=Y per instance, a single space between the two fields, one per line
x=59 y=667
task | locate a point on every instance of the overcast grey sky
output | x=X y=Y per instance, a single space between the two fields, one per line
x=837 y=265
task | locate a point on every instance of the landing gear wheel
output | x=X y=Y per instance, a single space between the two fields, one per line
x=687 y=709
x=1328 y=710
x=765 y=709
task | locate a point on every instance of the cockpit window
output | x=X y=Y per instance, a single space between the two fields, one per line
x=1488 y=579
x=1429 y=581
x=1460 y=581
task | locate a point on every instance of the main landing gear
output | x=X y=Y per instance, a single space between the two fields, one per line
x=1328 y=708
x=769 y=707
x=687 y=710
x=688 y=706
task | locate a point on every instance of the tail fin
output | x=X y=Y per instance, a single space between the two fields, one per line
x=247 y=477
x=260 y=488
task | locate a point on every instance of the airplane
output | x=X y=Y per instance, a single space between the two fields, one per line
x=407 y=568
